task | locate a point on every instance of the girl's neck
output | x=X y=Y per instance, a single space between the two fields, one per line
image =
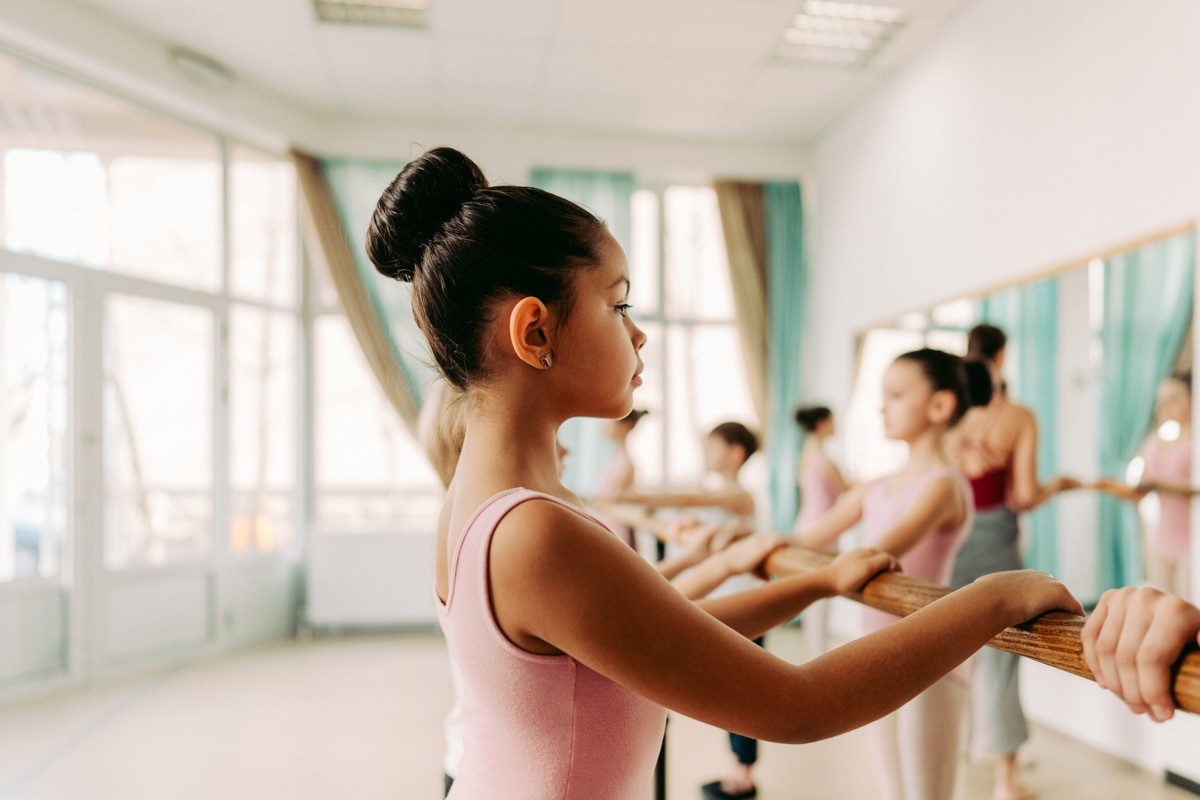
x=510 y=450
x=925 y=451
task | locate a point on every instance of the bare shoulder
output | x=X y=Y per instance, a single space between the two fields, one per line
x=540 y=540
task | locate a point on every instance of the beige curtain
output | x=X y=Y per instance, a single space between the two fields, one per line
x=328 y=247
x=743 y=219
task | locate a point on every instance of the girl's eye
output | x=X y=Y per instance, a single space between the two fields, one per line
x=623 y=309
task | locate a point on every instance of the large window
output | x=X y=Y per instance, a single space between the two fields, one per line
x=370 y=471
x=682 y=296
x=178 y=252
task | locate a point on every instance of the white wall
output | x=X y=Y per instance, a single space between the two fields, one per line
x=1028 y=133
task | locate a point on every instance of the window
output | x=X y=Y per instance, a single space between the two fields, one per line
x=262 y=228
x=683 y=299
x=93 y=180
x=34 y=317
x=263 y=387
x=158 y=431
x=370 y=471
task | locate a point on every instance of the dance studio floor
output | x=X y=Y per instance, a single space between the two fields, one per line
x=359 y=718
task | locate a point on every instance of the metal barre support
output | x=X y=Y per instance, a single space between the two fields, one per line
x=1051 y=639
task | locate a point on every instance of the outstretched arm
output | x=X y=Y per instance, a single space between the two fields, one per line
x=739 y=502
x=562 y=584
x=1027 y=492
x=846 y=511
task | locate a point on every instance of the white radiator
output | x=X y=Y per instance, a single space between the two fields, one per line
x=375 y=578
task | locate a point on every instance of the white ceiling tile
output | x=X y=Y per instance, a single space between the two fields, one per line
x=469 y=104
x=565 y=109
x=612 y=23
x=498 y=20
x=586 y=69
x=481 y=62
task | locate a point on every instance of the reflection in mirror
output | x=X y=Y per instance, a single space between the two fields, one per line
x=1092 y=348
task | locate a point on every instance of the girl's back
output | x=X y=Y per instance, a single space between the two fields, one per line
x=541 y=726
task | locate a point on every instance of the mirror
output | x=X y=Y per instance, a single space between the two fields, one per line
x=1092 y=345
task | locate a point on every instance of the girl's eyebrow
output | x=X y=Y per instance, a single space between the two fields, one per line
x=619 y=281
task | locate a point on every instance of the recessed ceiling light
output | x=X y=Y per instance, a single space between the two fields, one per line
x=839 y=34
x=392 y=13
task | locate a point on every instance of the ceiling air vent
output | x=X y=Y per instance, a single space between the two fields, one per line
x=838 y=34
x=390 y=13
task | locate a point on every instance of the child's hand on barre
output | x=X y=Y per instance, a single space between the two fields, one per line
x=853 y=568
x=1130 y=642
x=1027 y=593
x=1120 y=490
x=749 y=553
x=1063 y=483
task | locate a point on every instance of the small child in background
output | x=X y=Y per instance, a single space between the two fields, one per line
x=727 y=448
x=821 y=483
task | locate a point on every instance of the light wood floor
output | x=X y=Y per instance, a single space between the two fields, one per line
x=360 y=717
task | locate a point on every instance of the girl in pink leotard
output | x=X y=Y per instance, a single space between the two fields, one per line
x=920 y=515
x=569 y=644
x=1167 y=471
x=821 y=483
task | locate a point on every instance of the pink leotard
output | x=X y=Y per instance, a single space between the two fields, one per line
x=929 y=559
x=1171 y=463
x=537 y=727
x=817 y=492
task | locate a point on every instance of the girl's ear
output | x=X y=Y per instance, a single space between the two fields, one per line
x=941 y=407
x=529 y=332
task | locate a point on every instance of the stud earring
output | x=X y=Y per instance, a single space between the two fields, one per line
x=547 y=362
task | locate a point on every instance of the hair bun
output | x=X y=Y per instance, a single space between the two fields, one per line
x=415 y=207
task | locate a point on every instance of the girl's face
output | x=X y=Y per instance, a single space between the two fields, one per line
x=907 y=401
x=596 y=357
x=825 y=427
x=1174 y=402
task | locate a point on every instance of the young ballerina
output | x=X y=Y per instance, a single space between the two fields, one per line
x=919 y=515
x=821 y=483
x=819 y=479
x=995 y=446
x=1167 y=471
x=569 y=644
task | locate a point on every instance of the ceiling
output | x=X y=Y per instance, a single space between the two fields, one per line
x=693 y=69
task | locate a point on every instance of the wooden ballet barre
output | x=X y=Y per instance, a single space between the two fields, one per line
x=1052 y=639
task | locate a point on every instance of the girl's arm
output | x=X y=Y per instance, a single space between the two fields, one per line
x=847 y=511
x=755 y=611
x=835 y=478
x=939 y=505
x=560 y=583
x=740 y=502
x=1027 y=494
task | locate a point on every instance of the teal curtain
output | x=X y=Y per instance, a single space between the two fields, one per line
x=356 y=186
x=786 y=293
x=1147 y=310
x=608 y=195
x=1029 y=315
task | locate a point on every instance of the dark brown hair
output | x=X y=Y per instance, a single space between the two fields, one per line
x=969 y=382
x=735 y=433
x=466 y=245
x=985 y=341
